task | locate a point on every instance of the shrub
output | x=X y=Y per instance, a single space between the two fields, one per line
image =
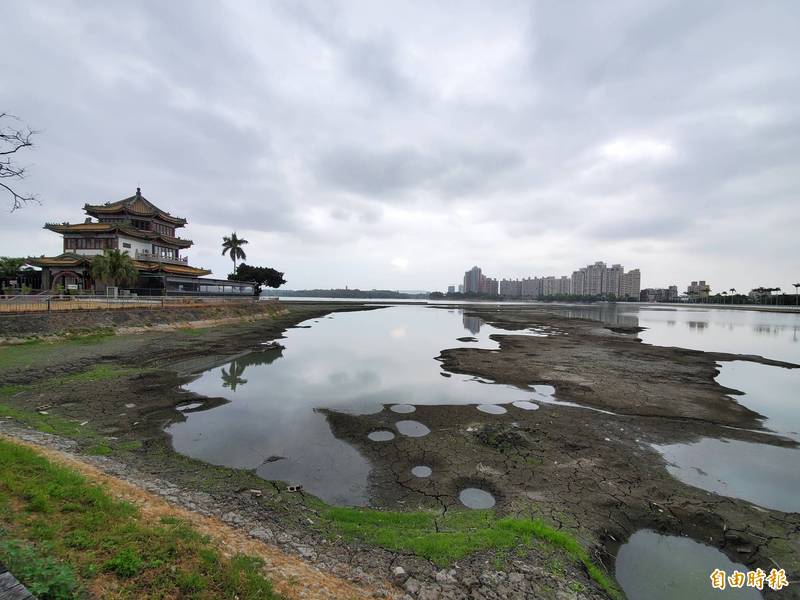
x=45 y=577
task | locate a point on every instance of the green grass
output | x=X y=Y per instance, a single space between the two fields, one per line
x=100 y=372
x=59 y=532
x=10 y=390
x=445 y=539
x=45 y=577
x=50 y=423
x=33 y=351
x=100 y=450
x=47 y=423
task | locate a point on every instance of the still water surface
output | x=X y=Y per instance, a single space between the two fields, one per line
x=651 y=566
x=356 y=362
x=763 y=474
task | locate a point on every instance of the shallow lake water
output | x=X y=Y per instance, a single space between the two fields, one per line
x=760 y=473
x=355 y=362
x=767 y=334
x=651 y=566
x=771 y=391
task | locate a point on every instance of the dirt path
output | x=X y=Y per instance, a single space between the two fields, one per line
x=291 y=577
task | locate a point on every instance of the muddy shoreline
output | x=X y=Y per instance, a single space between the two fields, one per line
x=591 y=471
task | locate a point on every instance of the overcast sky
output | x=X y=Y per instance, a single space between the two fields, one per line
x=394 y=145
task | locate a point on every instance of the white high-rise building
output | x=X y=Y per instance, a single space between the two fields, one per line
x=595 y=279
x=614 y=281
x=632 y=284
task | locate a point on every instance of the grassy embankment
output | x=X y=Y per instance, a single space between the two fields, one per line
x=445 y=539
x=441 y=539
x=63 y=536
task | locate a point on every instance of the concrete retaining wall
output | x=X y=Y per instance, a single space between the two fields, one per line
x=16 y=326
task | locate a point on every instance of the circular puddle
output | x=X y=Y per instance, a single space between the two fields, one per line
x=403 y=408
x=525 y=405
x=421 y=471
x=381 y=436
x=492 y=409
x=476 y=498
x=412 y=428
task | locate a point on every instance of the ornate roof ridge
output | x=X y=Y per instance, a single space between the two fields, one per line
x=136 y=204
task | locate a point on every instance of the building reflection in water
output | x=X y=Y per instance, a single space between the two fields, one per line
x=697 y=325
x=472 y=324
x=606 y=314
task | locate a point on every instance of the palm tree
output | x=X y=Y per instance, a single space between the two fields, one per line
x=114 y=268
x=232 y=245
x=796 y=285
x=733 y=292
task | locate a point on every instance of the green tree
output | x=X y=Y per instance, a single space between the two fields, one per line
x=260 y=275
x=114 y=268
x=232 y=245
x=10 y=267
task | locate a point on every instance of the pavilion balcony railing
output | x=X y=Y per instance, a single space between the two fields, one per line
x=153 y=257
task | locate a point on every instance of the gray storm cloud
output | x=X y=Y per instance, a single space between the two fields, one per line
x=395 y=145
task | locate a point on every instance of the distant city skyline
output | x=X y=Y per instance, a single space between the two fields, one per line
x=592 y=280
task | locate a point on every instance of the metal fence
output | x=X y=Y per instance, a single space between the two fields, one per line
x=61 y=302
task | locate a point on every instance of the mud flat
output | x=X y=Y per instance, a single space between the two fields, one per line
x=586 y=461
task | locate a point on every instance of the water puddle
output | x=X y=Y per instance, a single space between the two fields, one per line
x=381 y=436
x=412 y=428
x=525 y=405
x=189 y=406
x=492 y=409
x=402 y=408
x=421 y=471
x=762 y=474
x=770 y=391
x=476 y=498
x=651 y=566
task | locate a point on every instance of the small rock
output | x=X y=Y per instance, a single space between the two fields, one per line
x=306 y=552
x=231 y=517
x=399 y=575
x=256 y=493
x=411 y=586
x=262 y=533
x=515 y=578
x=445 y=576
x=429 y=592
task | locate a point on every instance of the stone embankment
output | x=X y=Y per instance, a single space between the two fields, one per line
x=25 y=326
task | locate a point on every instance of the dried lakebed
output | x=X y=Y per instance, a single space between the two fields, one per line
x=588 y=415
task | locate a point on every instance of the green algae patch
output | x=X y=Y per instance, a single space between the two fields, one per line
x=446 y=538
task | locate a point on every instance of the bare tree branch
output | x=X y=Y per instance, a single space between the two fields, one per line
x=14 y=138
